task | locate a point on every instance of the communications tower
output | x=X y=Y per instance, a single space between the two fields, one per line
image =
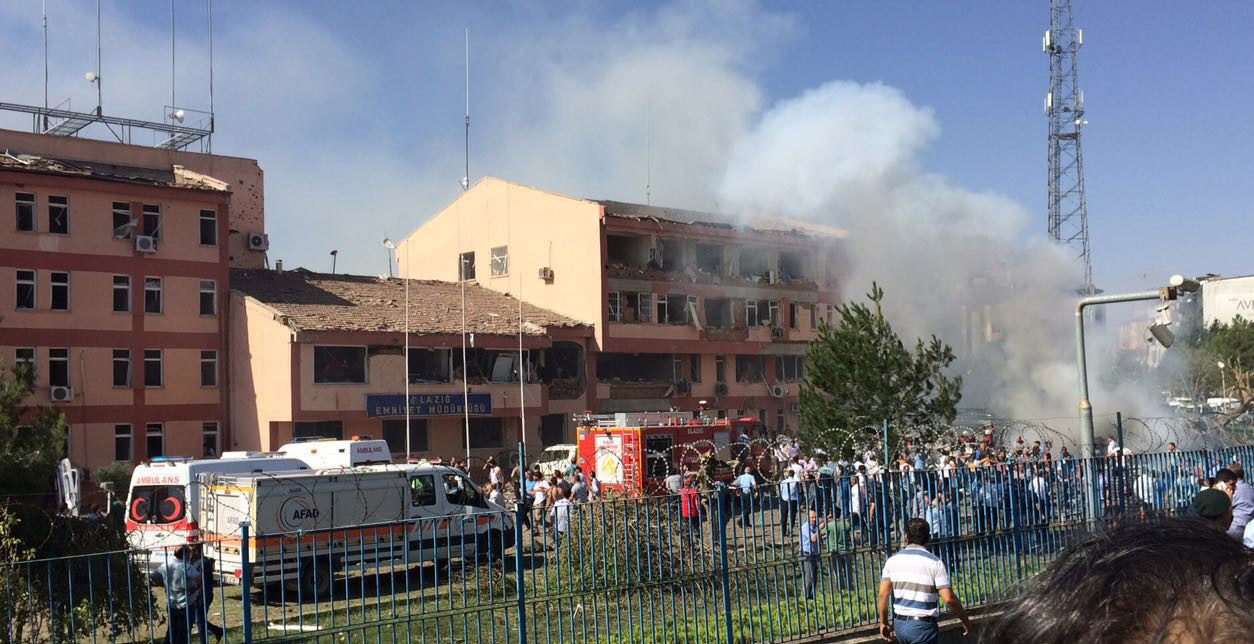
x=1064 y=104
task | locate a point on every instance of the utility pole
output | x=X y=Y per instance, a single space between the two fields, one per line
x=1064 y=105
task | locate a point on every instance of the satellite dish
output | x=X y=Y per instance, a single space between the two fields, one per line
x=91 y=77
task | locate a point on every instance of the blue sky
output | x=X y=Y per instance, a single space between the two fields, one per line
x=355 y=109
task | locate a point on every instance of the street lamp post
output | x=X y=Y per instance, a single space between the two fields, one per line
x=1167 y=293
x=1223 y=380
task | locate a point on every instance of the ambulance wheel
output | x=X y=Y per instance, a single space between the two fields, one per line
x=492 y=548
x=315 y=580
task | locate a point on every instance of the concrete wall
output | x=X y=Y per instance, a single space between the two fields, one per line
x=261 y=374
x=244 y=175
x=540 y=228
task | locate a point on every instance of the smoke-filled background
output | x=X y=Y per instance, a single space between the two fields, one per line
x=960 y=264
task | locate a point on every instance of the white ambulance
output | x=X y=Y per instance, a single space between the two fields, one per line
x=307 y=526
x=163 y=508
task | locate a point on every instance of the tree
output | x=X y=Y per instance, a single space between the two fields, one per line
x=1231 y=344
x=65 y=594
x=859 y=373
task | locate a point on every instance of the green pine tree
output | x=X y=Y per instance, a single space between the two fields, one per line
x=859 y=373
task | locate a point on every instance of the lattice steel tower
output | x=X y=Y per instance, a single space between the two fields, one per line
x=1064 y=104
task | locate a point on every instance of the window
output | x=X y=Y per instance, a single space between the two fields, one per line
x=750 y=369
x=121 y=367
x=814 y=316
x=25 y=211
x=429 y=365
x=690 y=310
x=616 y=306
x=645 y=307
x=694 y=368
x=552 y=429
x=152 y=221
x=208 y=228
x=208 y=297
x=59 y=215
x=717 y=313
x=59 y=367
x=790 y=368
x=121 y=293
x=152 y=295
x=152 y=368
x=485 y=433
x=459 y=491
x=394 y=434
x=25 y=362
x=155 y=434
x=122 y=216
x=25 y=290
x=779 y=420
x=793 y=310
x=663 y=310
x=422 y=490
x=761 y=313
x=60 y=291
x=319 y=429
x=339 y=365
x=123 y=449
x=209 y=439
x=720 y=369
x=500 y=260
x=677 y=308
x=208 y=368
x=659 y=459
x=467 y=263
x=677 y=368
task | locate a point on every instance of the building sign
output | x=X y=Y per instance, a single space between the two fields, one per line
x=385 y=405
x=1223 y=300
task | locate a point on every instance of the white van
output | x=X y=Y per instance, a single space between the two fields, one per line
x=306 y=526
x=556 y=458
x=162 y=508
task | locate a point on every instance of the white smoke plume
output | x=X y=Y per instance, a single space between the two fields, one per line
x=953 y=262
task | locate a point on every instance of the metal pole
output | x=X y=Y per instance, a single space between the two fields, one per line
x=519 y=509
x=99 y=82
x=1086 y=408
x=722 y=553
x=886 y=449
x=246 y=581
x=1120 y=463
x=408 y=451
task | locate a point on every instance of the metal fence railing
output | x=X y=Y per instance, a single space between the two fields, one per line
x=617 y=570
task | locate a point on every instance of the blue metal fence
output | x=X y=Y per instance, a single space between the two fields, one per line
x=617 y=570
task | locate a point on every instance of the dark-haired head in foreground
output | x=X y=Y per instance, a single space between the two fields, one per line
x=1176 y=581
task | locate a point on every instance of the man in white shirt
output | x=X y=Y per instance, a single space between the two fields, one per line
x=913 y=580
x=746 y=483
x=559 y=515
x=789 y=501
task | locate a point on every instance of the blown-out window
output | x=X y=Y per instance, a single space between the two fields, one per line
x=339 y=365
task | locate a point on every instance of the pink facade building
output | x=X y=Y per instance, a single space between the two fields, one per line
x=114 y=269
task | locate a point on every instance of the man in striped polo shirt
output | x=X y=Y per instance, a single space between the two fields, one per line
x=913 y=579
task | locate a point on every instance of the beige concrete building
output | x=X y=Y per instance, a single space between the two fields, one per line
x=684 y=306
x=319 y=355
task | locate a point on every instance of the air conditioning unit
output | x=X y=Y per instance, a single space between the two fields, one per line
x=258 y=241
x=794 y=407
x=720 y=389
x=145 y=244
x=546 y=273
x=61 y=394
x=779 y=391
x=683 y=388
x=777 y=332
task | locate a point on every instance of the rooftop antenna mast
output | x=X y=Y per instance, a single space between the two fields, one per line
x=45 y=14
x=1064 y=105
x=461 y=262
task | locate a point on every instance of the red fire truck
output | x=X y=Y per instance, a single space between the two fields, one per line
x=635 y=452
